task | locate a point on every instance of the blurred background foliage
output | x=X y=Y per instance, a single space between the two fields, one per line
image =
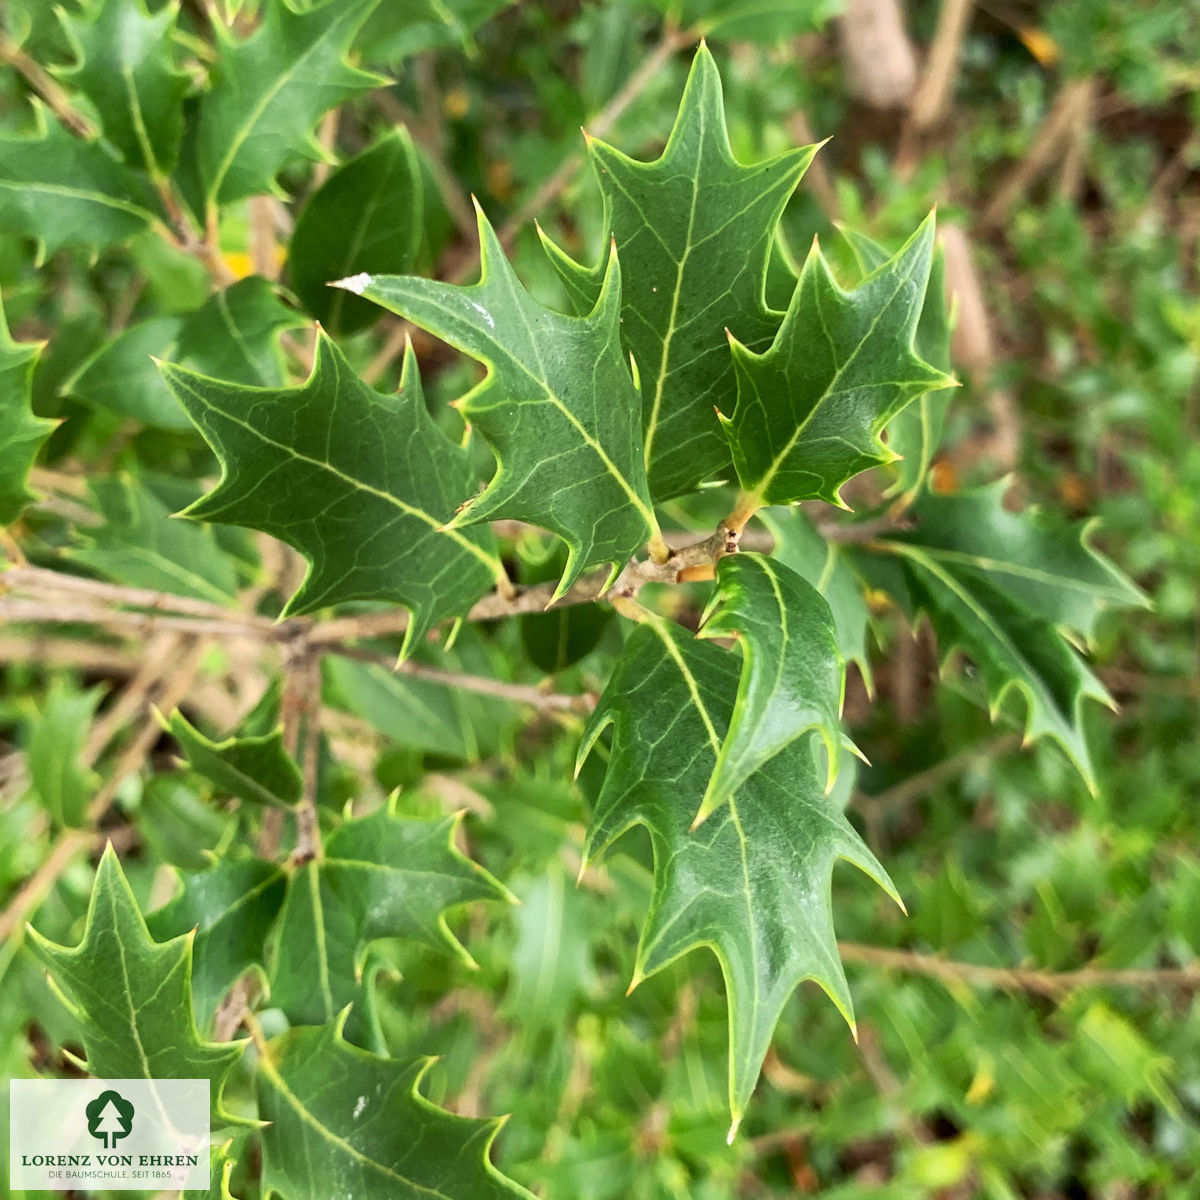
x=1061 y=142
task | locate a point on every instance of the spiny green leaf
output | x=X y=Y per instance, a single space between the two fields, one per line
x=132 y=995
x=254 y=768
x=1002 y=586
x=1048 y=567
x=234 y=335
x=21 y=433
x=810 y=409
x=693 y=229
x=798 y=545
x=121 y=377
x=125 y=65
x=357 y=481
x=792 y=678
x=368 y=215
x=267 y=92
x=380 y=876
x=61 y=191
x=916 y=431
x=232 y=908
x=369 y=1132
x=752 y=882
x=57 y=734
x=140 y=545
x=1013 y=650
x=558 y=405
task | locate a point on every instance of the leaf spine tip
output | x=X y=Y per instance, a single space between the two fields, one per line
x=733 y=1128
x=357 y=284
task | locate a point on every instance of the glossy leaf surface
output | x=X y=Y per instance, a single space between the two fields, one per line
x=360 y=484
x=752 y=883
x=558 y=405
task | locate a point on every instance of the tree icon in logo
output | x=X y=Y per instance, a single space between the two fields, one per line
x=109 y=1117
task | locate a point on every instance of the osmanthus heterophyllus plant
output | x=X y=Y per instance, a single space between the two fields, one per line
x=671 y=377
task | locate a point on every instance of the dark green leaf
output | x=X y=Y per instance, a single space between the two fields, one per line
x=916 y=431
x=798 y=545
x=21 y=433
x=57 y=734
x=133 y=995
x=360 y=484
x=558 y=405
x=693 y=230
x=126 y=67
x=61 y=191
x=792 y=674
x=267 y=92
x=753 y=881
x=141 y=545
x=369 y=1133
x=380 y=877
x=1045 y=566
x=122 y=377
x=235 y=335
x=367 y=216
x=811 y=408
x=232 y=908
x=255 y=768
x=1001 y=586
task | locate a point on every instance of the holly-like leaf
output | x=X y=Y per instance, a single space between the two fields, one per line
x=54 y=748
x=232 y=908
x=1001 y=586
x=380 y=876
x=1047 y=567
x=139 y=544
x=752 y=882
x=693 y=229
x=21 y=433
x=125 y=65
x=558 y=405
x=792 y=678
x=359 y=482
x=811 y=408
x=255 y=768
x=368 y=215
x=799 y=546
x=121 y=376
x=368 y=1131
x=916 y=431
x=61 y=191
x=234 y=335
x=132 y=995
x=268 y=91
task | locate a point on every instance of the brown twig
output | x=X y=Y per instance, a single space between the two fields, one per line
x=1073 y=102
x=47 y=87
x=936 y=86
x=1018 y=979
x=300 y=709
